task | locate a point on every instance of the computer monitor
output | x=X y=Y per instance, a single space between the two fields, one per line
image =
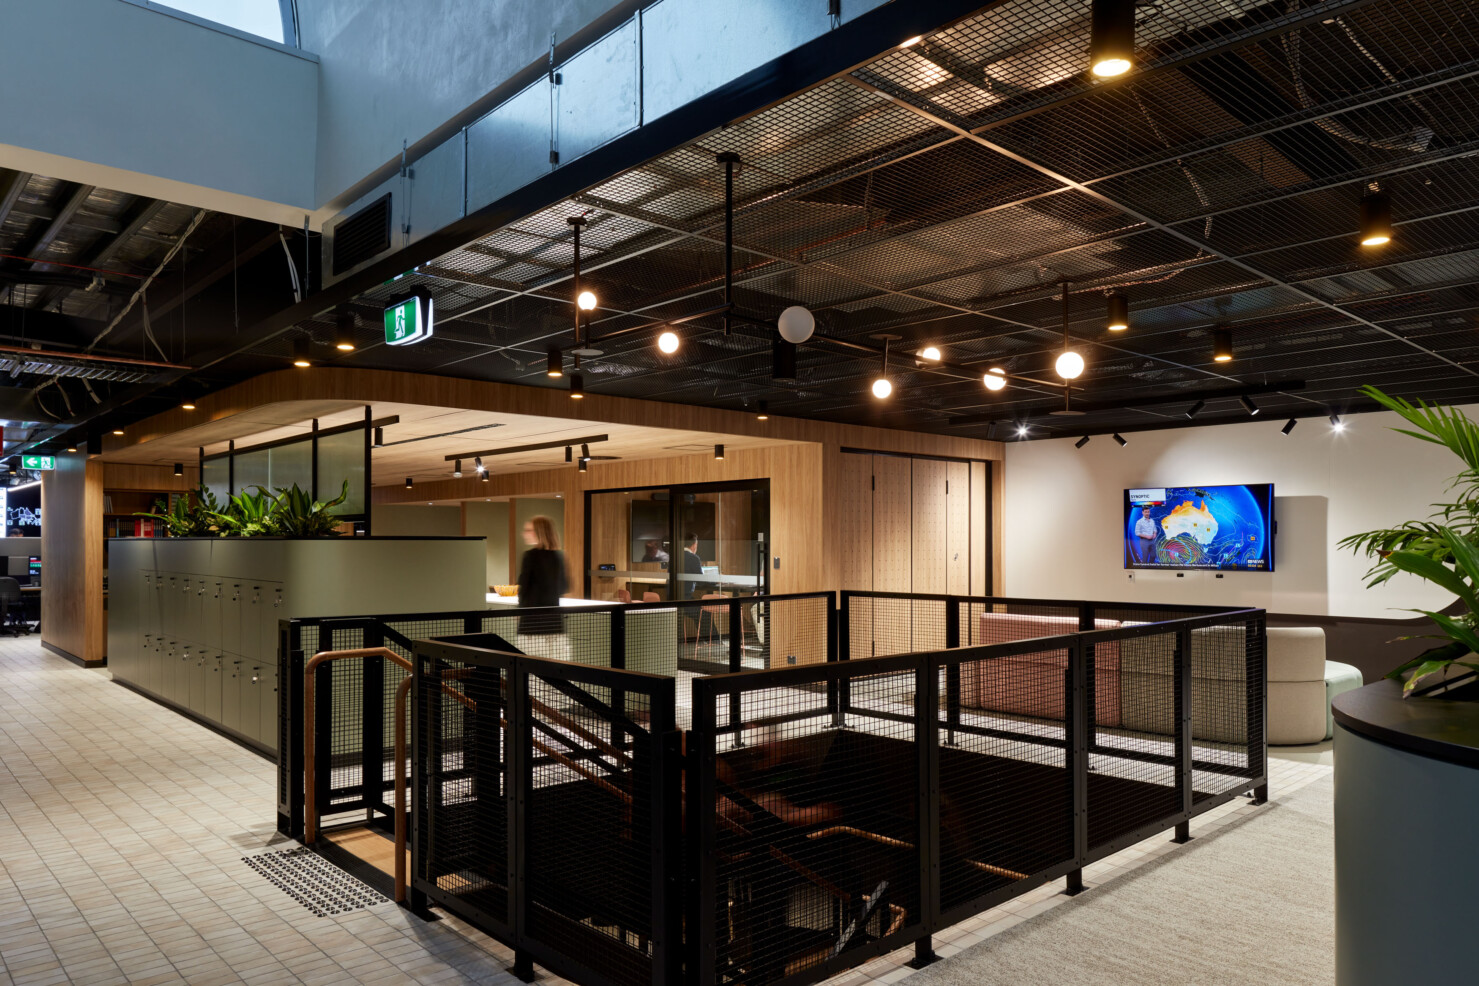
x=33 y=564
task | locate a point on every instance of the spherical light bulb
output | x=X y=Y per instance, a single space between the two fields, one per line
x=586 y=300
x=995 y=378
x=668 y=342
x=796 y=324
x=1070 y=364
x=882 y=388
x=930 y=353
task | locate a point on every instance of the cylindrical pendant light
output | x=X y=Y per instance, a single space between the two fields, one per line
x=569 y=454
x=553 y=364
x=300 y=353
x=344 y=333
x=581 y=465
x=1119 y=313
x=764 y=413
x=457 y=469
x=1376 y=219
x=585 y=452
x=1222 y=349
x=1289 y=425
x=719 y=451
x=179 y=469
x=1112 y=37
x=409 y=484
x=1249 y=406
x=577 y=386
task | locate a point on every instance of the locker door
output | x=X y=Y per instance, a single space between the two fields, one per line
x=268 y=700
x=251 y=697
x=211 y=703
x=231 y=673
x=231 y=606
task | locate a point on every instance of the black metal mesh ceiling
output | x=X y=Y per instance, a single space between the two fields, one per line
x=944 y=191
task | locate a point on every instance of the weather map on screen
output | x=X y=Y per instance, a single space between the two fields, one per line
x=1219 y=527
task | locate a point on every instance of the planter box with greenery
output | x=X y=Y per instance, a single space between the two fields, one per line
x=286 y=512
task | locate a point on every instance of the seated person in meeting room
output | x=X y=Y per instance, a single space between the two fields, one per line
x=652 y=551
x=16 y=532
x=692 y=564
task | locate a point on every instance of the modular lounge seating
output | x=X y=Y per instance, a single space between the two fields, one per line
x=1133 y=680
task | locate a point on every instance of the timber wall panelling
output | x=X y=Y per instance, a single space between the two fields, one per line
x=72 y=551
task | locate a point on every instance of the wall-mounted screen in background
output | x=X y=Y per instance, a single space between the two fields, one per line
x=1229 y=528
x=23 y=511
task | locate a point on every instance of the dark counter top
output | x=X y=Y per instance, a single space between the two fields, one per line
x=1438 y=726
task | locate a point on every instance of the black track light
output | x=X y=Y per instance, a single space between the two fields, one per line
x=1335 y=421
x=1195 y=409
x=1289 y=425
x=1252 y=408
x=477 y=463
x=410 y=485
x=569 y=454
x=1376 y=219
x=1121 y=439
x=554 y=364
x=457 y=469
x=764 y=413
x=1112 y=37
x=719 y=451
x=179 y=469
x=1119 y=313
x=582 y=465
x=577 y=386
x=1222 y=350
x=1081 y=442
x=585 y=453
x=484 y=478
x=379 y=440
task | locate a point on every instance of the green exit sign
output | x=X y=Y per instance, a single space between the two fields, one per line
x=408 y=320
x=38 y=462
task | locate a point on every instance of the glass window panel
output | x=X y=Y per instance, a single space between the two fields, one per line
x=289 y=464
x=214 y=477
x=251 y=472
x=342 y=457
x=260 y=17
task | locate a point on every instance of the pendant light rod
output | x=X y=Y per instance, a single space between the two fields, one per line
x=729 y=159
x=723 y=309
x=575 y=223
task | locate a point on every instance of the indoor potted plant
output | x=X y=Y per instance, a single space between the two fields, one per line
x=1443 y=550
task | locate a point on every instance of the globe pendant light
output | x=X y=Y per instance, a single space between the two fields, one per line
x=668 y=342
x=995 y=378
x=1070 y=365
x=883 y=387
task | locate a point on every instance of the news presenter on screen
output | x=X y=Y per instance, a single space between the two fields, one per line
x=1147 y=530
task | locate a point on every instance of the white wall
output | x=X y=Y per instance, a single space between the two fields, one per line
x=116 y=95
x=1063 y=512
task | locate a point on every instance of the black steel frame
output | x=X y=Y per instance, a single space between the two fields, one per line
x=683 y=885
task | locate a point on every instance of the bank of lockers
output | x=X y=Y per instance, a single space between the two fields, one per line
x=207 y=644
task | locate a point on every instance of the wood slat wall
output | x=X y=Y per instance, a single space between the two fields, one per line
x=72 y=553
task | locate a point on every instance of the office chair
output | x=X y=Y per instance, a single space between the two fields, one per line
x=12 y=608
x=623 y=595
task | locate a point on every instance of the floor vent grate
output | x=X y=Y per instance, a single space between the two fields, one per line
x=314 y=882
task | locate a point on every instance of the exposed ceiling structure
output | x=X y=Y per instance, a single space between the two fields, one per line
x=105 y=294
x=940 y=193
x=418 y=444
x=943 y=192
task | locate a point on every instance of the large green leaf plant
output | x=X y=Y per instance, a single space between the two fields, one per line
x=286 y=512
x=1443 y=550
x=298 y=514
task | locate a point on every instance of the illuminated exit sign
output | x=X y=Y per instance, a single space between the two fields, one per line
x=38 y=462
x=408 y=320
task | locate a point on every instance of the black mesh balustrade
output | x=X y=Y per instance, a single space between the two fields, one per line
x=355 y=697
x=548 y=808
x=823 y=806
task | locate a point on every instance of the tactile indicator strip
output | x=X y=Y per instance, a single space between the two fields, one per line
x=314 y=882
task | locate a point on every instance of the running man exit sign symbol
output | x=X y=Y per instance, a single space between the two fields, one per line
x=408 y=320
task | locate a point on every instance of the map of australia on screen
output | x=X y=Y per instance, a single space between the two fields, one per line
x=1215 y=527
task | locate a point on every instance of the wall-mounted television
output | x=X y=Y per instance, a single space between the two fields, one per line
x=1226 y=528
x=23 y=511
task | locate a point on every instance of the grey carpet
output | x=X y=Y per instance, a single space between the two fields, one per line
x=1252 y=902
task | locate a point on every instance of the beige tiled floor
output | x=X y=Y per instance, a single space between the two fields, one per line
x=123 y=827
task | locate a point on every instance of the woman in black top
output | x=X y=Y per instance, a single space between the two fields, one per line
x=542 y=581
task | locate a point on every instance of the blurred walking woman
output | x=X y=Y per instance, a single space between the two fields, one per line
x=542 y=581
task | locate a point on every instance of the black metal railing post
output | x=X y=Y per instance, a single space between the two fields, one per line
x=1075 y=707
x=323 y=737
x=1255 y=718
x=952 y=670
x=519 y=791
x=702 y=758
x=1181 y=682
x=927 y=744
x=290 y=731
x=736 y=664
x=844 y=653
x=419 y=803
x=617 y=653
x=834 y=636
x=666 y=792
x=376 y=712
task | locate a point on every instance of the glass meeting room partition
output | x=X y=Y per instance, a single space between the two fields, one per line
x=677 y=542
